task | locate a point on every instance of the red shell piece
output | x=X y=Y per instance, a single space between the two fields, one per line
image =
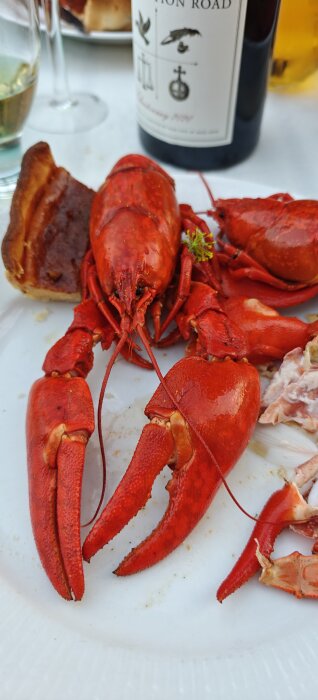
x=280 y=235
x=277 y=513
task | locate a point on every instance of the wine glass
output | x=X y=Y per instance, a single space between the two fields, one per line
x=63 y=112
x=19 y=56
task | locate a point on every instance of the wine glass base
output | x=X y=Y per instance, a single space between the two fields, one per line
x=8 y=185
x=79 y=113
x=10 y=162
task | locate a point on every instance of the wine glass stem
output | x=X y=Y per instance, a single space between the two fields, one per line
x=61 y=93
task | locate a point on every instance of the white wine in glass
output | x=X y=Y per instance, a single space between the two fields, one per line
x=63 y=112
x=19 y=58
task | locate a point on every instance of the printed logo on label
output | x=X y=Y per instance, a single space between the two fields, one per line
x=184 y=60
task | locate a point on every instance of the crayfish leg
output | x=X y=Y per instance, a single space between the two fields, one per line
x=183 y=290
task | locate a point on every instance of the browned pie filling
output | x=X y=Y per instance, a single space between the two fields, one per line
x=48 y=232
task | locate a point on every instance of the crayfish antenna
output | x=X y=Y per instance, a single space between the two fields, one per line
x=109 y=367
x=208 y=188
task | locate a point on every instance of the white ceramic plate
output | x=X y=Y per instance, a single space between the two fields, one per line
x=72 y=32
x=159 y=635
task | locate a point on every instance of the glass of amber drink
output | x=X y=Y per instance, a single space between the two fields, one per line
x=295 y=55
x=19 y=57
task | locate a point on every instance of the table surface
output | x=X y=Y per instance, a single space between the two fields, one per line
x=285 y=158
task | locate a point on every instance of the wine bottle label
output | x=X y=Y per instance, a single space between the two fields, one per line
x=187 y=56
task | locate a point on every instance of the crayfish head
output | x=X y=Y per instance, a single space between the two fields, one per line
x=131 y=298
x=125 y=287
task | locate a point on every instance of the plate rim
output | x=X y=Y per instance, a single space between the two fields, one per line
x=98 y=37
x=175 y=677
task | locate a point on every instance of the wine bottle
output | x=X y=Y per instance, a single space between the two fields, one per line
x=201 y=70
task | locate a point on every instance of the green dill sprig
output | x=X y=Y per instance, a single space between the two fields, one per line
x=200 y=244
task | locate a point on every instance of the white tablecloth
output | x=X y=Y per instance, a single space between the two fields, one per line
x=285 y=159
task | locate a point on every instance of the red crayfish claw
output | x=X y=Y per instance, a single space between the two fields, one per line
x=295 y=573
x=60 y=420
x=221 y=400
x=237 y=327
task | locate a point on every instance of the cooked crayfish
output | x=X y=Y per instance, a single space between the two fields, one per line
x=203 y=413
x=135 y=238
x=268 y=248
